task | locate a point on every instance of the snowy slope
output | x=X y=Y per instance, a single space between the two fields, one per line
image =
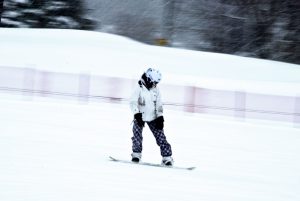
x=105 y=54
x=81 y=63
x=59 y=151
x=53 y=149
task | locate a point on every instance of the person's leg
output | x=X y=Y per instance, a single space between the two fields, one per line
x=137 y=142
x=165 y=147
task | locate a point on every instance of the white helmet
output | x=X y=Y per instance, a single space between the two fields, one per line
x=153 y=74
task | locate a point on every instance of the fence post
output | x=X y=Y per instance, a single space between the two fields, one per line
x=189 y=99
x=297 y=112
x=84 y=88
x=44 y=82
x=240 y=105
x=28 y=83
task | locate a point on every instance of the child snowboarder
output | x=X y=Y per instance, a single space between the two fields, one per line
x=146 y=105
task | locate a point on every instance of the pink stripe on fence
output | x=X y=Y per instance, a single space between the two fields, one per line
x=85 y=87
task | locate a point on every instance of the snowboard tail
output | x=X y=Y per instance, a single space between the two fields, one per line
x=150 y=164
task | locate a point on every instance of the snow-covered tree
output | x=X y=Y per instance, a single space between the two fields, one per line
x=1 y=8
x=266 y=29
x=45 y=14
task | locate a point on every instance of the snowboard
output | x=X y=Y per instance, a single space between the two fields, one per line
x=150 y=164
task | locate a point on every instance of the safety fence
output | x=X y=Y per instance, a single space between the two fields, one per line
x=84 y=87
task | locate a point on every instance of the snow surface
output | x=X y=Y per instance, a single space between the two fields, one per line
x=58 y=150
x=105 y=54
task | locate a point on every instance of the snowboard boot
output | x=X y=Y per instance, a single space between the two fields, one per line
x=167 y=161
x=136 y=157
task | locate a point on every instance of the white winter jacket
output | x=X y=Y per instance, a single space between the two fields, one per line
x=147 y=102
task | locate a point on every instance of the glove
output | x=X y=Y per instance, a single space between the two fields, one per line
x=139 y=120
x=159 y=123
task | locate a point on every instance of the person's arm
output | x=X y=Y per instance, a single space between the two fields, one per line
x=159 y=121
x=133 y=101
x=134 y=107
x=159 y=105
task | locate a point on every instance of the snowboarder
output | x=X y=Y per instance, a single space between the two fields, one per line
x=146 y=105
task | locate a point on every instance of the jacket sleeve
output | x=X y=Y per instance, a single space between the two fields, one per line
x=159 y=105
x=133 y=101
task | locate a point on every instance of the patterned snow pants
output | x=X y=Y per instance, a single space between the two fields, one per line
x=137 y=139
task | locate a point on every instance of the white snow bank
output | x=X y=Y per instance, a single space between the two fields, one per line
x=97 y=53
x=91 y=64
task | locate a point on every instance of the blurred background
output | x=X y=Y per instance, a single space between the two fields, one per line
x=267 y=29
